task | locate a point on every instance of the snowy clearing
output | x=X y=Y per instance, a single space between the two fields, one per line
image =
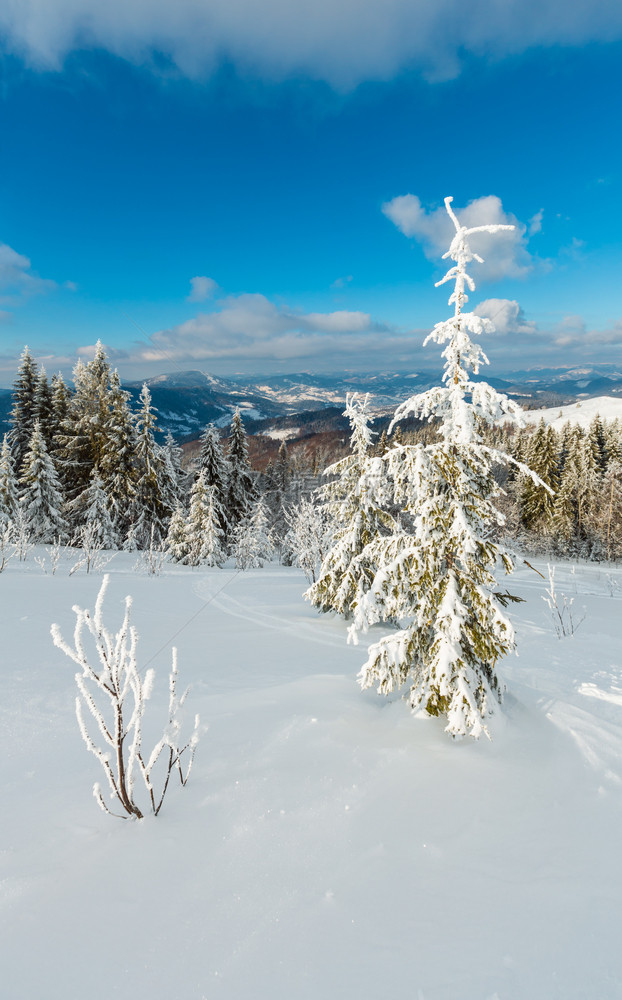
x=283 y=433
x=582 y=413
x=328 y=844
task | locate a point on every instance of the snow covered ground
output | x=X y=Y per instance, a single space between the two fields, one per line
x=582 y=413
x=328 y=844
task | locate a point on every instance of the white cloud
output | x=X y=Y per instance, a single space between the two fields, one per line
x=507 y=316
x=201 y=288
x=525 y=343
x=250 y=326
x=535 y=223
x=505 y=254
x=342 y=43
x=341 y=321
x=341 y=282
x=17 y=279
x=249 y=330
x=573 y=333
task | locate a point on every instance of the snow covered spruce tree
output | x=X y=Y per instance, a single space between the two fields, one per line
x=352 y=503
x=41 y=498
x=253 y=545
x=204 y=539
x=91 y=508
x=176 y=544
x=8 y=486
x=309 y=536
x=437 y=579
x=215 y=469
x=23 y=414
x=152 y=504
x=241 y=491
x=117 y=468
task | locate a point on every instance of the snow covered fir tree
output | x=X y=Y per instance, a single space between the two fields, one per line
x=354 y=500
x=253 y=545
x=437 y=577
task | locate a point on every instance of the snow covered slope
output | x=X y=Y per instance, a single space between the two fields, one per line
x=582 y=413
x=328 y=846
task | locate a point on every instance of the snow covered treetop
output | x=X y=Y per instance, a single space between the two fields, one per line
x=461 y=252
x=459 y=402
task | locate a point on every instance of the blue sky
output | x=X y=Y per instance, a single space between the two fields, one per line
x=207 y=188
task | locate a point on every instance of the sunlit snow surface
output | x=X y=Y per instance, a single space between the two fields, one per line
x=328 y=844
x=582 y=413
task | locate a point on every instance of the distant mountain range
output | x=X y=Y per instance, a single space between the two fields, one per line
x=187 y=401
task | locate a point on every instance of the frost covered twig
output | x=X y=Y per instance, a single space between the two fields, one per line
x=152 y=558
x=22 y=538
x=56 y=550
x=88 y=540
x=560 y=607
x=117 y=682
x=7 y=545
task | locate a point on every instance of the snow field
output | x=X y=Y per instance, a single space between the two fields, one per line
x=581 y=413
x=328 y=844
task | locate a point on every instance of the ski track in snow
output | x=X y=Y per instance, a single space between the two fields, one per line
x=235 y=608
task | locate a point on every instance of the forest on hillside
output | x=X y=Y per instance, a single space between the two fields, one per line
x=81 y=467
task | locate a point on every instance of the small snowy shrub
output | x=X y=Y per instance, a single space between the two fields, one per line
x=116 y=682
x=153 y=557
x=564 y=621
x=92 y=558
x=55 y=551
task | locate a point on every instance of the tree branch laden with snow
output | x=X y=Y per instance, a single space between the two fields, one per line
x=437 y=579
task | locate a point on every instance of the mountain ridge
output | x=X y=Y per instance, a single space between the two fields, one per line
x=187 y=401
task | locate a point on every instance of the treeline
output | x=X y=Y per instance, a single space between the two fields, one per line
x=81 y=467
x=580 y=515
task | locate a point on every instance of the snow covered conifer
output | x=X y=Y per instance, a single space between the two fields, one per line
x=213 y=464
x=91 y=507
x=437 y=579
x=83 y=437
x=177 y=538
x=542 y=458
x=152 y=507
x=610 y=506
x=241 y=484
x=309 y=536
x=253 y=545
x=173 y=456
x=8 y=486
x=353 y=504
x=41 y=497
x=23 y=414
x=44 y=407
x=204 y=535
x=60 y=407
x=281 y=488
x=118 y=466
x=598 y=444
